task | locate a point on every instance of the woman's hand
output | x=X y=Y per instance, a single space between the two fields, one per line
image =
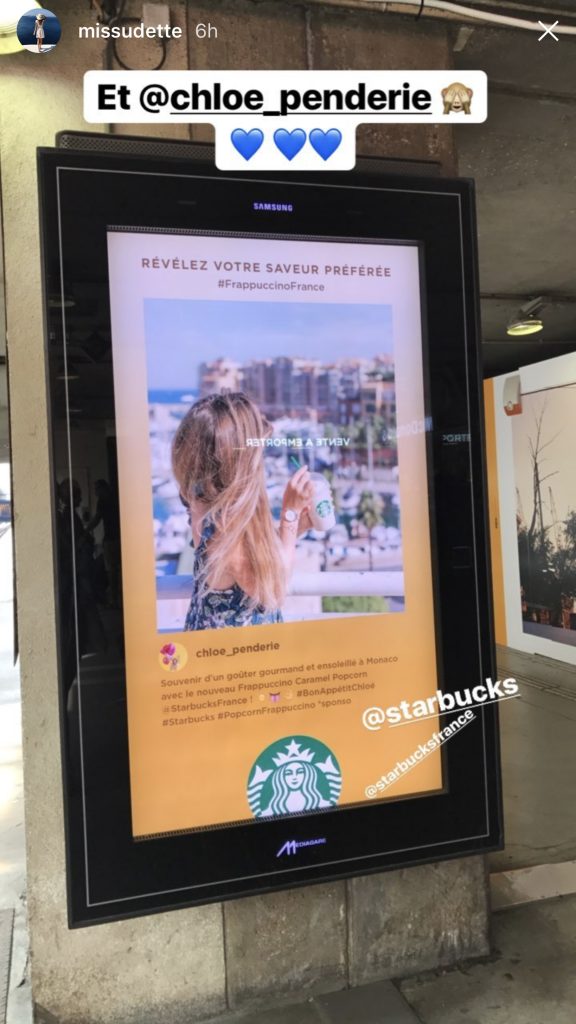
x=299 y=491
x=297 y=496
x=305 y=523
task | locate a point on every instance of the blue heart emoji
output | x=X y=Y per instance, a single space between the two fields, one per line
x=247 y=143
x=289 y=143
x=325 y=143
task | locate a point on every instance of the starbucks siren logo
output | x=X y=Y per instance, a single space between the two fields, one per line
x=294 y=775
x=323 y=508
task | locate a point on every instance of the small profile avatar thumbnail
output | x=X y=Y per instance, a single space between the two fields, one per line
x=173 y=657
x=39 y=30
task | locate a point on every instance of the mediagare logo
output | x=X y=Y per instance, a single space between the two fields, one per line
x=274 y=207
x=291 y=846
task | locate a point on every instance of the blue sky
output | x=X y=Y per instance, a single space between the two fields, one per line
x=182 y=333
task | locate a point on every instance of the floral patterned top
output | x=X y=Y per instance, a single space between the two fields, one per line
x=215 y=609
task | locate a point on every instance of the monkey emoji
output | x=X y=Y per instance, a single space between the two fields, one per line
x=457 y=98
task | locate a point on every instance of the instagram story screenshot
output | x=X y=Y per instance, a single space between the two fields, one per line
x=287 y=511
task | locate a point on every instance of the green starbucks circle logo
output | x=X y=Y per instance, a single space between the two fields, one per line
x=294 y=775
x=323 y=508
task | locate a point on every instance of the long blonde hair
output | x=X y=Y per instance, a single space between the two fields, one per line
x=213 y=463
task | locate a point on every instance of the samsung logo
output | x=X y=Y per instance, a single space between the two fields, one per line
x=292 y=846
x=274 y=207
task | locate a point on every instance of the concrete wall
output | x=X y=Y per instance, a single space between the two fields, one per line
x=273 y=34
x=191 y=964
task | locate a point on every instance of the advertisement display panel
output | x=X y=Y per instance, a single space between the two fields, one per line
x=321 y=381
x=269 y=522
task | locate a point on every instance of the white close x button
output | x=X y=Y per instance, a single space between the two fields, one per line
x=548 y=31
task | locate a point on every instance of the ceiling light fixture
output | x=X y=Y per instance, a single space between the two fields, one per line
x=10 y=13
x=526 y=320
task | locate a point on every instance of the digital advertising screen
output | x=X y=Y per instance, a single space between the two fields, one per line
x=273 y=590
x=271 y=429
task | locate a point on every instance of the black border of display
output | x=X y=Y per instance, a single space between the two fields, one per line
x=109 y=875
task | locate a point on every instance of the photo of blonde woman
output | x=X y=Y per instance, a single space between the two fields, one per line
x=284 y=455
x=242 y=561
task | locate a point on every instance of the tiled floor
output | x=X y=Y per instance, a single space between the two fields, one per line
x=531 y=979
x=371 y=1004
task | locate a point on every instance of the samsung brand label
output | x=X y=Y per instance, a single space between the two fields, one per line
x=274 y=207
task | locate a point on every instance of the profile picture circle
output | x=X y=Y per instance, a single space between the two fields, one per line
x=39 y=30
x=172 y=657
x=294 y=775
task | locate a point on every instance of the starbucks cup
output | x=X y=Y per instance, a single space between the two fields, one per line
x=321 y=506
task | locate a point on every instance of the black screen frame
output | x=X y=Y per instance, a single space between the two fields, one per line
x=111 y=876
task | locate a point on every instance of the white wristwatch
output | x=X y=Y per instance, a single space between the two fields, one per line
x=290 y=515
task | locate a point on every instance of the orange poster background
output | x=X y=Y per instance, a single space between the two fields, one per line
x=190 y=776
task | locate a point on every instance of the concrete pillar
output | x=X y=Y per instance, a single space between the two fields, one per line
x=263 y=36
x=146 y=53
x=417 y=919
x=286 y=946
x=170 y=967
x=191 y=964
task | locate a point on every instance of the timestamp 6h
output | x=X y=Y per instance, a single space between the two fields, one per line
x=206 y=31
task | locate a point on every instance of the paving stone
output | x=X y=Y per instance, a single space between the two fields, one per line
x=370 y=1004
x=300 y=1013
